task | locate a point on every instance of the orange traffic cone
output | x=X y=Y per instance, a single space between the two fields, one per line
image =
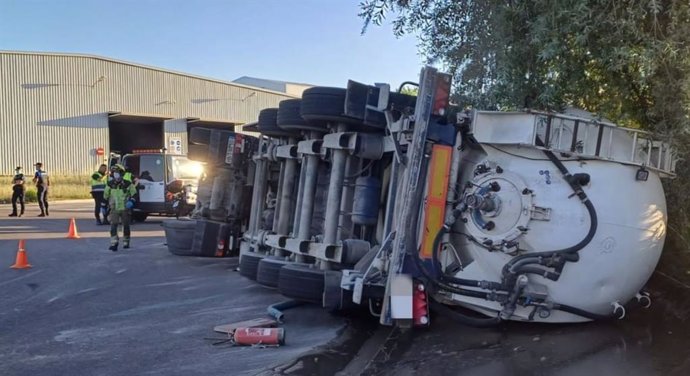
x=22 y=262
x=72 y=234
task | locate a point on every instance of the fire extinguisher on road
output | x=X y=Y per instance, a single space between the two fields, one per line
x=259 y=336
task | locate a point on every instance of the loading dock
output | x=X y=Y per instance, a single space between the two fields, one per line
x=128 y=132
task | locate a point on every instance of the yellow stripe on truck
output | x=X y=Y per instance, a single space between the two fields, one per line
x=437 y=194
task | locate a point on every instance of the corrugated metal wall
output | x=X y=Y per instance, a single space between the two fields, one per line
x=53 y=108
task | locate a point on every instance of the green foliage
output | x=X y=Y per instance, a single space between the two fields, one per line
x=410 y=90
x=30 y=195
x=627 y=60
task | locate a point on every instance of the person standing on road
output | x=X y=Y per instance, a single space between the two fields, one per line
x=120 y=195
x=98 y=182
x=18 y=189
x=42 y=182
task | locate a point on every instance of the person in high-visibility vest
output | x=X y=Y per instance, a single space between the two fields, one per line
x=99 y=179
x=120 y=194
x=128 y=174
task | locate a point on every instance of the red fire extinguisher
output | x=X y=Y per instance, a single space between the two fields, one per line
x=259 y=336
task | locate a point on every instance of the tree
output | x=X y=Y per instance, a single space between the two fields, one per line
x=627 y=60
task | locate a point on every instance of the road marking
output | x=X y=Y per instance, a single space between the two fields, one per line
x=169 y=283
x=83 y=235
x=22 y=277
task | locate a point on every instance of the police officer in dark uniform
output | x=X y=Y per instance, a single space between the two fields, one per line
x=42 y=184
x=18 y=189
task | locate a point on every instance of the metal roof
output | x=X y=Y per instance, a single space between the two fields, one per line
x=96 y=57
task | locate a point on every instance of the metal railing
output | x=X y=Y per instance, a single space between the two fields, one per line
x=595 y=139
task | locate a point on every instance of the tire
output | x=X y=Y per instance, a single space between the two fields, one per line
x=197 y=153
x=301 y=282
x=324 y=105
x=290 y=119
x=199 y=136
x=268 y=125
x=268 y=271
x=321 y=105
x=179 y=236
x=249 y=263
x=139 y=216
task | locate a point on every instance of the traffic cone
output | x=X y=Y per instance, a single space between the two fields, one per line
x=72 y=234
x=21 y=262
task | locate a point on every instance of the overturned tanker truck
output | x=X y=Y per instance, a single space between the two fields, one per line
x=371 y=197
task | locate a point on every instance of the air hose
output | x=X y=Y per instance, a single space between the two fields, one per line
x=480 y=322
x=513 y=266
x=586 y=314
x=488 y=285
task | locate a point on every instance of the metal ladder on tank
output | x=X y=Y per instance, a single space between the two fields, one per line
x=555 y=125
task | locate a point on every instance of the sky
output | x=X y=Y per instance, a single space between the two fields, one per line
x=311 y=41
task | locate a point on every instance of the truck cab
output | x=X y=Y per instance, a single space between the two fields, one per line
x=167 y=183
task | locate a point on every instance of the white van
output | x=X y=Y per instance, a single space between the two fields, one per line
x=167 y=183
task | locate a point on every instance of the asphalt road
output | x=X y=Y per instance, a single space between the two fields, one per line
x=82 y=309
x=654 y=341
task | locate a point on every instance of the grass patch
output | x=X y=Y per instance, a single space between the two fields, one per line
x=61 y=188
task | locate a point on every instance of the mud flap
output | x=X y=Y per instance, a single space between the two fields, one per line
x=334 y=297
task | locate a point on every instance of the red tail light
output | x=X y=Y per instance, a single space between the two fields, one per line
x=442 y=94
x=420 y=305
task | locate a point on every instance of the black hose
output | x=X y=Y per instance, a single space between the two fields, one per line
x=480 y=322
x=583 y=313
x=402 y=85
x=448 y=279
x=538 y=271
x=593 y=224
x=446 y=287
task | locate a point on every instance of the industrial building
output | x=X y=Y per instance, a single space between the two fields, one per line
x=71 y=110
x=291 y=88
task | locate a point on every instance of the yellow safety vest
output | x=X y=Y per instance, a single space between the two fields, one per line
x=98 y=182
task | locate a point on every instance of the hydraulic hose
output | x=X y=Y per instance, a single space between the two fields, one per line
x=538 y=271
x=583 y=313
x=465 y=319
x=510 y=267
x=446 y=287
x=488 y=285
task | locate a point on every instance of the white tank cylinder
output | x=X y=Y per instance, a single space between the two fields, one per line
x=613 y=267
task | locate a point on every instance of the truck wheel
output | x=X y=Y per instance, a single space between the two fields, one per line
x=268 y=271
x=199 y=136
x=139 y=216
x=249 y=263
x=290 y=119
x=179 y=235
x=268 y=125
x=301 y=282
x=321 y=105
